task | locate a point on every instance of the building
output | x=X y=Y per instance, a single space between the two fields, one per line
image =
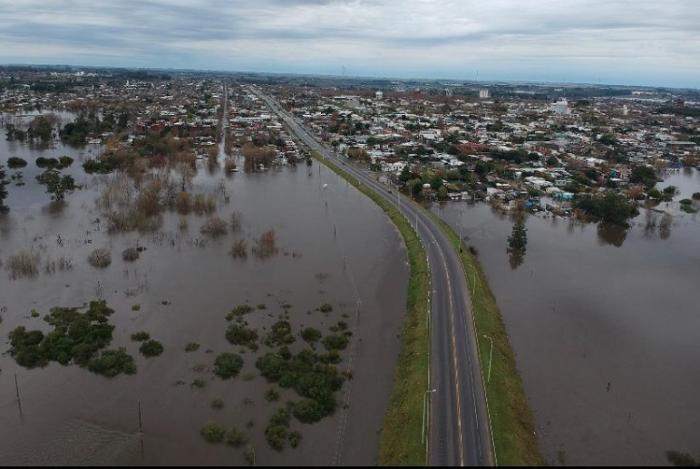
x=484 y=94
x=561 y=107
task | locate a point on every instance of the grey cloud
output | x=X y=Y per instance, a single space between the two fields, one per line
x=323 y=33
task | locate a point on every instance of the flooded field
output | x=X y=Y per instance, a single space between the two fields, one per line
x=605 y=327
x=333 y=246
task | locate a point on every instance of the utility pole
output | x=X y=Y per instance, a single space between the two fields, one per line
x=488 y=379
x=19 y=401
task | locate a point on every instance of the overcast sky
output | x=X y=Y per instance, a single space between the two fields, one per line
x=653 y=42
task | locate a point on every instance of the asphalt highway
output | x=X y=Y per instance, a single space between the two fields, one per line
x=458 y=428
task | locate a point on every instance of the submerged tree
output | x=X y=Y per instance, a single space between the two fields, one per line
x=517 y=241
x=56 y=185
x=3 y=191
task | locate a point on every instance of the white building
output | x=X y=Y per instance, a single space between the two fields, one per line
x=484 y=94
x=561 y=107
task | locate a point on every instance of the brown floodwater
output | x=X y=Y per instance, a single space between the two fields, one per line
x=605 y=326
x=335 y=246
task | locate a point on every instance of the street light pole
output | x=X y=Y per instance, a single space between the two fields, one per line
x=425 y=406
x=488 y=380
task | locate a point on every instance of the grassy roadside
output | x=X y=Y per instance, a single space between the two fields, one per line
x=512 y=423
x=402 y=430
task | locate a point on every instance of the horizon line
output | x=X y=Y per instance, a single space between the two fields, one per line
x=353 y=77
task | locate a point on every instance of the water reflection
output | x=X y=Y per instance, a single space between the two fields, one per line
x=517 y=241
x=609 y=233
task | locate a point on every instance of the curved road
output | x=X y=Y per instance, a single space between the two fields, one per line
x=458 y=432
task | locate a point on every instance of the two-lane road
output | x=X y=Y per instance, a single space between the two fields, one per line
x=458 y=424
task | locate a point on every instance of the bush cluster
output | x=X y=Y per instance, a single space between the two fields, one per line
x=228 y=365
x=308 y=376
x=76 y=338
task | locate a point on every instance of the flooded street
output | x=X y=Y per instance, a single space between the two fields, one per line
x=604 y=326
x=334 y=246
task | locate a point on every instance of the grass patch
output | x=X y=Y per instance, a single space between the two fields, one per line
x=512 y=422
x=401 y=433
x=140 y=336
x=23 y=264
x=213 y=433
x=192 y=347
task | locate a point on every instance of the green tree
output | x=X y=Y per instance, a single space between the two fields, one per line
x=3 y=191
x=56 y=185
x=415 y=187
x=643 y=175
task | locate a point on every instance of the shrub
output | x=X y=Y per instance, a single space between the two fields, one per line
x=332 y=357
x=214 y=227
x=229 y=165
x=110 y=363
x=192 y=347
x=239 y=249
x=276 y=430
x=335 y=342
x=103 y=165
x=14 y=162
x=23 y=264
x=151 y=348
x=198 y=383
x=136 y=307
x=239 y=311
x=307 y=376
x=265 y=245
x=236 y=438
x=311 y=335
x=25 y=347
x=228 y=365
x=42 y=162
x=130 y=254
x=76 y=337
x=203 y=205
x=280 y=334
x=100 y=258
x=183 y=203
x=213 y=433
x=56 y=185
x=308 y=411
x=217 y=404
x=240 y=335
x=272 y=395
x=65 y=161
x=325 y=308
x=141 y=336
x=294 y=439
